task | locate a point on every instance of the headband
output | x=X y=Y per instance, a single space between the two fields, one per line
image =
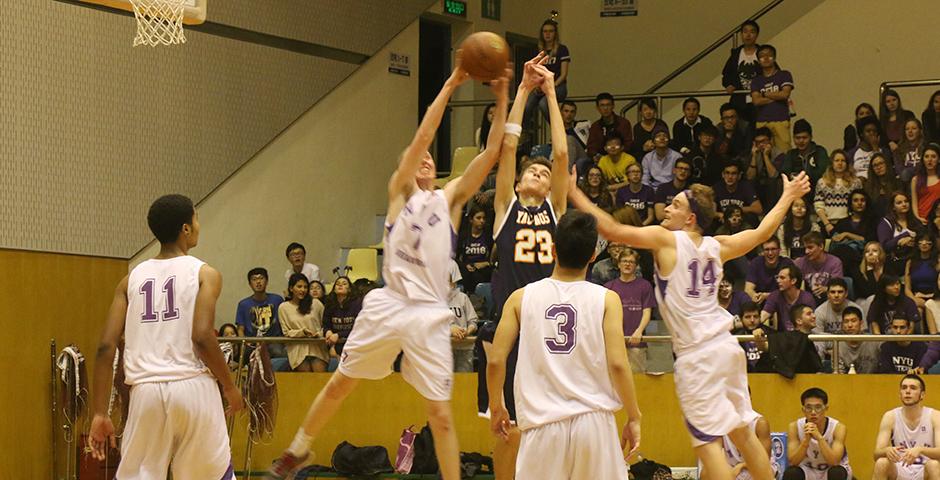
x=693 y=205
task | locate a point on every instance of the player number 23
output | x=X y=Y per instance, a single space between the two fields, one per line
x=528 y=241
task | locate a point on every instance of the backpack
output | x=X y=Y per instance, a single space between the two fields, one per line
x=350 y=460
x=425 y=460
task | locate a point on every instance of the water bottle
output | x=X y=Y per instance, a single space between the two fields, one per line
x=852 y=369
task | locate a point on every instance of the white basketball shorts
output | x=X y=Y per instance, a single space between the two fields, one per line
x=585 y=446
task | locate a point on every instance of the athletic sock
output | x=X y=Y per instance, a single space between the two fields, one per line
x=301 y=444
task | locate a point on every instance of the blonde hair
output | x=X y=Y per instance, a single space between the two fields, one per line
x=704 y=198
x=830 y=175
x=863 y=265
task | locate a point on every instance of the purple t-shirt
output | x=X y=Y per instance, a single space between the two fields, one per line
x=776 y=303
x=738 y=299
x=635 y=296
x=742 y=196
x=779 y=110
x=640 y=201
x=763 y=277
x=819 y=274
x=667 y=191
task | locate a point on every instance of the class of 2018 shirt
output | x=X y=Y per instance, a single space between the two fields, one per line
x=640 y=201
x=476 y=249
x=778 y=110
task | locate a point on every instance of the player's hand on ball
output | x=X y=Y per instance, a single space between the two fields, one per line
x=101 y=434
x=630 y=438
x=500 y=86
x=459 y=75
x=499 y=421
x=233 y=399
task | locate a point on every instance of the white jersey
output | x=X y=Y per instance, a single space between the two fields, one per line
x=158 y=328
x=418 y=249
x=562 y=366
x=688 y=299
x=920 y=436
x=814 y=459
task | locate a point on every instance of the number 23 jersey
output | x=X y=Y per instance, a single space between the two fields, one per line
x=524 y=240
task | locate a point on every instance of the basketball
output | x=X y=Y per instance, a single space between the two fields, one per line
x=484 y=55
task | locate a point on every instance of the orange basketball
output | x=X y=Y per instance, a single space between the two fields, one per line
x=484 y=55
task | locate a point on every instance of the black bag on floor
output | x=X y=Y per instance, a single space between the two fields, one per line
x=472 y=464
x=350 y=460
x=425 y=460
x=647 y=469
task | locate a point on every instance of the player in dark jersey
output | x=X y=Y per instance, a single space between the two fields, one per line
x=526 y=213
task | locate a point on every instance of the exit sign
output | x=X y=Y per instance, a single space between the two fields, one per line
x=455 y=7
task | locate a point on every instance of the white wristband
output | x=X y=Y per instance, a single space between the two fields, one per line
x=513 y=129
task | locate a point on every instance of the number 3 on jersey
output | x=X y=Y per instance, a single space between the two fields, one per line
x=528 y=241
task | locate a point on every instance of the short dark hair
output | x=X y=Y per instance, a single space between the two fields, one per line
x=727 y=106
x=749 y=23
x=796 y=311
x=772 y=239
x=768 y=46
x=684 y=160
x=853 y=311
x=575 y=239
x=900 y=315
x=802 y=126
x=614 y=135
x=763 y=132
x=709 y=130
x=603 y=96
x=912 y=376
x=533 y=161
x=649 y=102
x=258 y=271
x=837 y=282
x=691 y=100
x=814 y=237
x=749 y=307
x=294 y=246
x=168 y=214
x=730 y=163
x=794 y=272
x=569 y=103
x=815 y=392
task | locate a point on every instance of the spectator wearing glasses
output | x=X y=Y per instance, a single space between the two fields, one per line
x=297 y=256
x=770 y=93
x=741 y=68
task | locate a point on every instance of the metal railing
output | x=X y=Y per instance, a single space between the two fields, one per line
x=904 y=84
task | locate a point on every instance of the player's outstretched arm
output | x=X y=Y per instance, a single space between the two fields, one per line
x=506 y=334
x=102 y=430
x=651 y=237
x=559 y=191
x=618 y=367
x=205 y=341
x=737 y=245
x=883 y=447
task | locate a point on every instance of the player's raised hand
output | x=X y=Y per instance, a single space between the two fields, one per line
x=233 y=400
x=575 y=195
x=795 y=187
x=101 y=436
x=500 y=86
x=530 y=77
x=548 y=79
x=499 y=421
x=630 y=437
x=459 y=75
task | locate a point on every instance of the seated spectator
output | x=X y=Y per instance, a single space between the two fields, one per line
x=816 y=443
x=317 y=291
x=608 y=124
x=831 y=199
x=893 y=118
x=686 y=129
x=607 y=269
x=750 y=325
x=804 y=318
x=762 y=271
x=933 y=220
x=920 y=273
x=851 y=233
x=734 y=191
x=741 y=68
x=891 y=302
x=705 y=159
x=865 y=278
x=776 y=312
x=792 y=351
x=256 y=316
x=868 y=145
x=667 y=191
x=475 y=250
x=829 y=314
x=594 y=185
x=463 y=325
x=881 y=183
x=852 y=130
x=763 y=170
x=657 y=164
x=483 y=131
x=231 y=350
x=896 y=232
x=817 y=265
x=301 y=316
x=732 y=223
x=341 y=307
x=614 y=164
x=636 y=295
x=925 y=186
x=770 y=94
x=932 y=309
x=734 y=135
x=643 y=130
x=795 y=226
x=577 y=155
x=931 y=118
x=909 y=153
x=637 y=196
x=807 y=156
x=297 y=256
x=732 y=300
x=559 y=59
x=901 y=356
x=859 y=356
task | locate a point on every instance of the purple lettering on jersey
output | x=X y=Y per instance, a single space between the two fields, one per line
x=708 y=279
x=146 y=289
x=168 y=313
x=566 y=316
x=433 y=220
x=416 y=228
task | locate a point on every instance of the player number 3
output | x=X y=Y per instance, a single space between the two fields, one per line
x=566 y=318
x=527 y=240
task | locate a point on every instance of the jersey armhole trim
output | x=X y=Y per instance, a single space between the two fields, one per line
x=499 y=227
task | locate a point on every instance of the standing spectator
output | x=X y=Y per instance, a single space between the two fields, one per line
x=577 y=155
x=881 y=183
x=776 y=312
x=297 y=256
x=908 y=155
x=770 y=93
x=643 y=130
x=865 y=278
x=851 y=233
x=741 y=68
x=667 y=191
x=900 y=356
x=925 y=186
x=817 y=266
x=637 y=196
x=794 y=227
x=706 y=161
x=657 y=164
x=861 y=356
x=595 y=187
x=762 y=271
x=558 y=62
x=608 y=268
x=890 y=302
x=636 y=295
x=920 y=273
x=686 y=129
x=732 y=300
x=816 y=442
x=734 y=134
x=896 y=232
x=931 y=118
x=614 y=164
x=807 y=156
x=734 y=191
x=829 y=314
x=831 y=200
x=893 y=118
x=463 y=325
x=301 y=316
x=475 y=250
x=750 y=325
x=852 y=131
x=762 y=168
x=256 y=316
x=603 y=127
x=868 y=145
x=339 y=315
x=483 y=131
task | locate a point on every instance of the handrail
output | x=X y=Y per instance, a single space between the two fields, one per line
x=902 y=84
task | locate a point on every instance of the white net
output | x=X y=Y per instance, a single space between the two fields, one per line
x=159 y=22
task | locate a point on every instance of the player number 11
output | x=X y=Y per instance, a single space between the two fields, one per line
x=170 y=312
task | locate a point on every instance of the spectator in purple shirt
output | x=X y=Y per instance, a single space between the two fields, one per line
x=734 y=191
x=890 y=302
x=636 y=195
x=762 y=271
x=776 y=312
x=667 y=191
x=770 y=93
x=731 y=300
x=636 y=295
x=817 y=266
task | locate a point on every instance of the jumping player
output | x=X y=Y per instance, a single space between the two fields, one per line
x=908 y=438
x=710 y=368
x=165 y=310
x=526 y=213
x=562 y=322
x=410 y=313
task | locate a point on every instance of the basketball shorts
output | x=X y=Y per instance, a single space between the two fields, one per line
x=585 y=446
x=908 y=472
x=178 y=425
x=711 y=383
x=389 y=324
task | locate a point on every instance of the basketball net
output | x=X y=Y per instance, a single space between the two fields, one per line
x=159 y=22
